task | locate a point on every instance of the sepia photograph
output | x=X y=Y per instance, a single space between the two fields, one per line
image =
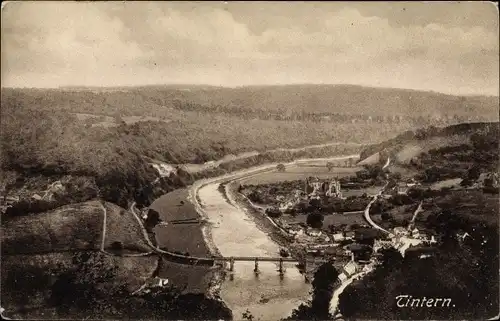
x=249 y=160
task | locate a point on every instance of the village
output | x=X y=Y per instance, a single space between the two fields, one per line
x=353 y=246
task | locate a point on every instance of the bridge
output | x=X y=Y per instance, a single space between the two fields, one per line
x=256 y=260
x=211 y=261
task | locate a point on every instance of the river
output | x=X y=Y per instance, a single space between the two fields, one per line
x=267 y=296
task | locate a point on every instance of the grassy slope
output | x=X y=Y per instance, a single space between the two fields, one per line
x=27 y=280
x=71 y=227
x=412 y=143
x=123 y=227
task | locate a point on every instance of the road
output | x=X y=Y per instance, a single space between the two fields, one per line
x=193 y=168
x=418 y=210
x=367 y=210
x=334 y=302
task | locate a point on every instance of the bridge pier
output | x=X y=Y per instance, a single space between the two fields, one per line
x=281 y=267
x=231 y=264
x=256 y=269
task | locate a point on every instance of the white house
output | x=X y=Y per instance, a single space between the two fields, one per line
x=338 y=237
x=350 y=268
x=164 y=170
x=342 y=277
x=400 y=231
x=314 y=232
x=37 y=197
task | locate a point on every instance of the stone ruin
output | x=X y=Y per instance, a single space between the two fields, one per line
x=314 y=188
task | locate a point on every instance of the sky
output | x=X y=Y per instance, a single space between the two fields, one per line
x=450 y=47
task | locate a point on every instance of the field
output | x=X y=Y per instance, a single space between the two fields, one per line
x=179 y=237
x=399 y=213
x=122 y=226
x=183 y=238
x=193 y=279
x=372 y=190
x=298 y=173
x=334 y=219
x=76 y=226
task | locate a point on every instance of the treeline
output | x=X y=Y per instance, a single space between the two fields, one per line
x=316 y=117
x=293 y=98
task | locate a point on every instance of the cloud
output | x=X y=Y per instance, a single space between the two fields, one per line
x=135 y=43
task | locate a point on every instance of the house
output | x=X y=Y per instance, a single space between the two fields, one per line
x=37 y=197
x=296 y=231
x=349 y=235
x=359 y=251
x=366 y=233
x=338 y=237
x=314 y=232
x=350 y=268
x=11 y=199
x=405 y=243
x=159 y=282
x=342 y=277
x=402 y=189
x=331 y=251
x=315 y=252
x=57 y=185
x=400 y=231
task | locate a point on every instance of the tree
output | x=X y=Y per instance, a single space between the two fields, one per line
x=385 y=216
x=152 y=219
x=273 y=212
x=117 y=246
x=330 y=166
x=396 y=175
x=280 y=167
x=82 y=286
x=318 y=308
x=473 y=173
x=247 y=315
x=315 y=220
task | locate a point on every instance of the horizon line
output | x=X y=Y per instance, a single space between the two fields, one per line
x=247 y=86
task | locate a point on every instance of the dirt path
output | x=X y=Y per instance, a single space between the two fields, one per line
x=105 y=216
x=103 y=240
